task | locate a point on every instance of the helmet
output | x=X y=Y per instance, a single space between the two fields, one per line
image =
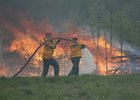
x=74 y=36
x=48 y=33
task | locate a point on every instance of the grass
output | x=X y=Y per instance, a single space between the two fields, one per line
x=87 y=87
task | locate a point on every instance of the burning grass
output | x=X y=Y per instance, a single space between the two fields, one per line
x=28 y=34
x=71 y=88
x=3 y=71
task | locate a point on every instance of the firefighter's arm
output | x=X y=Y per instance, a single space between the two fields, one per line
x=51 y=45
x=44 y=39
x=57 y=41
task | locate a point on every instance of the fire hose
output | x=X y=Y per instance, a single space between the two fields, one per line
x=35 y=53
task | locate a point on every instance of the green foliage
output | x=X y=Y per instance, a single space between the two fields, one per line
x=85 y=87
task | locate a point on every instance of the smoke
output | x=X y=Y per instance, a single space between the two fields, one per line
x=125 y=47
x=27 y=21
x=5 y=39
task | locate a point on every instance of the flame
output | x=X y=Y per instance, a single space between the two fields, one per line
x=103 y=46
x=28 y=35
x=3 y=71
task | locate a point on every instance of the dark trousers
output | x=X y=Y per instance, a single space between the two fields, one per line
x=47 y=63
x=75 y=68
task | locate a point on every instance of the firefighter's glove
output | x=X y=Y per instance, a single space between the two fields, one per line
x=58 y=41
x=83 y=46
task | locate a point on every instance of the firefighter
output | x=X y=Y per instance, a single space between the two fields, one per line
x=47 y=55
x=75 y=55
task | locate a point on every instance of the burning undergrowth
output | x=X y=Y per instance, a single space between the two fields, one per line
x=21 y=35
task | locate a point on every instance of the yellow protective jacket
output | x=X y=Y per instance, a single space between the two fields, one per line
x=75 y=50
x=48 y=49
